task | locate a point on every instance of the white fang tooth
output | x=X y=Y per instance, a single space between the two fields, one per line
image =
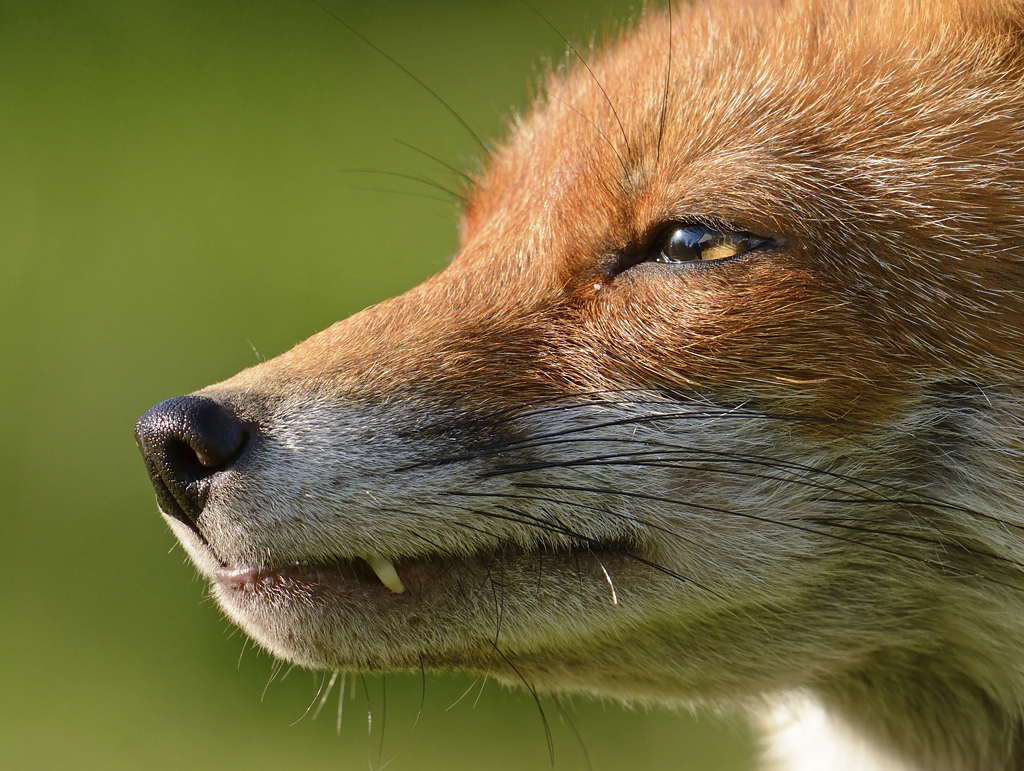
x=386 y=572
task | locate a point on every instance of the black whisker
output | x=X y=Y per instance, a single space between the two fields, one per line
x=589 y=542
x=572 y=726
x=454 y=194
x=404 y=69
x=369 y=723
x=415 y=722
x=583 y=61
x=593 y=125
x=453 y=169
x=668 y=77
x=706 y=456
x=406 y=193
x=579 y=578
x=499 y=601
x=767 y=520
x=383 y=716
x=552 y=438
x=536 y=699
x=698 y=461
x=576 y=505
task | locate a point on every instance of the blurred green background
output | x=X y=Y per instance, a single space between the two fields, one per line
x=175 y=195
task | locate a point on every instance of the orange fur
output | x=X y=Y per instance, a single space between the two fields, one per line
x=846 y=521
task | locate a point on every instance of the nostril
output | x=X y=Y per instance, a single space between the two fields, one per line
x=184 y=442
x=202 y=432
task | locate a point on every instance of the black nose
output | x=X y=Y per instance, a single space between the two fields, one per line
x=185 y=441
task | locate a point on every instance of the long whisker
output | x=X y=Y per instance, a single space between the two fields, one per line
x=411 y=177
x=723 y=466
x=591 y=542
x=668 y=79
x=583 y=61
x=415 y=722
x=540 y=707
x=597 y=428
x=406 y=70
x=406 y=193
x=611 y=145
x=369 y=723
x=572 y=725
x=537 y=523
x=453 y=169
x=767 y=520
x=920 y=498
x=383 y=717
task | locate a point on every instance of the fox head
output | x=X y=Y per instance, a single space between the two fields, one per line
x=720 y=396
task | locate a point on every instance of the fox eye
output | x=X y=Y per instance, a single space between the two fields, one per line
x=698 y=243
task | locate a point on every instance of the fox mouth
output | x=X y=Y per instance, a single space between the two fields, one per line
x=348 y=614
x=335 y=575
x=415 y=577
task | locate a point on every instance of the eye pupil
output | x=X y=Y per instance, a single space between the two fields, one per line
x=698 y=243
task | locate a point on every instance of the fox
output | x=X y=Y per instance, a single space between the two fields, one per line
x=718 y=403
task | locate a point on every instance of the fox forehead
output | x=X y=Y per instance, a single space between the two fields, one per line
x=781 y=116
x=877 y=144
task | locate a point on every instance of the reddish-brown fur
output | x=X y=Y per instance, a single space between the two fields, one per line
x=870 y=354
x=858 y=153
